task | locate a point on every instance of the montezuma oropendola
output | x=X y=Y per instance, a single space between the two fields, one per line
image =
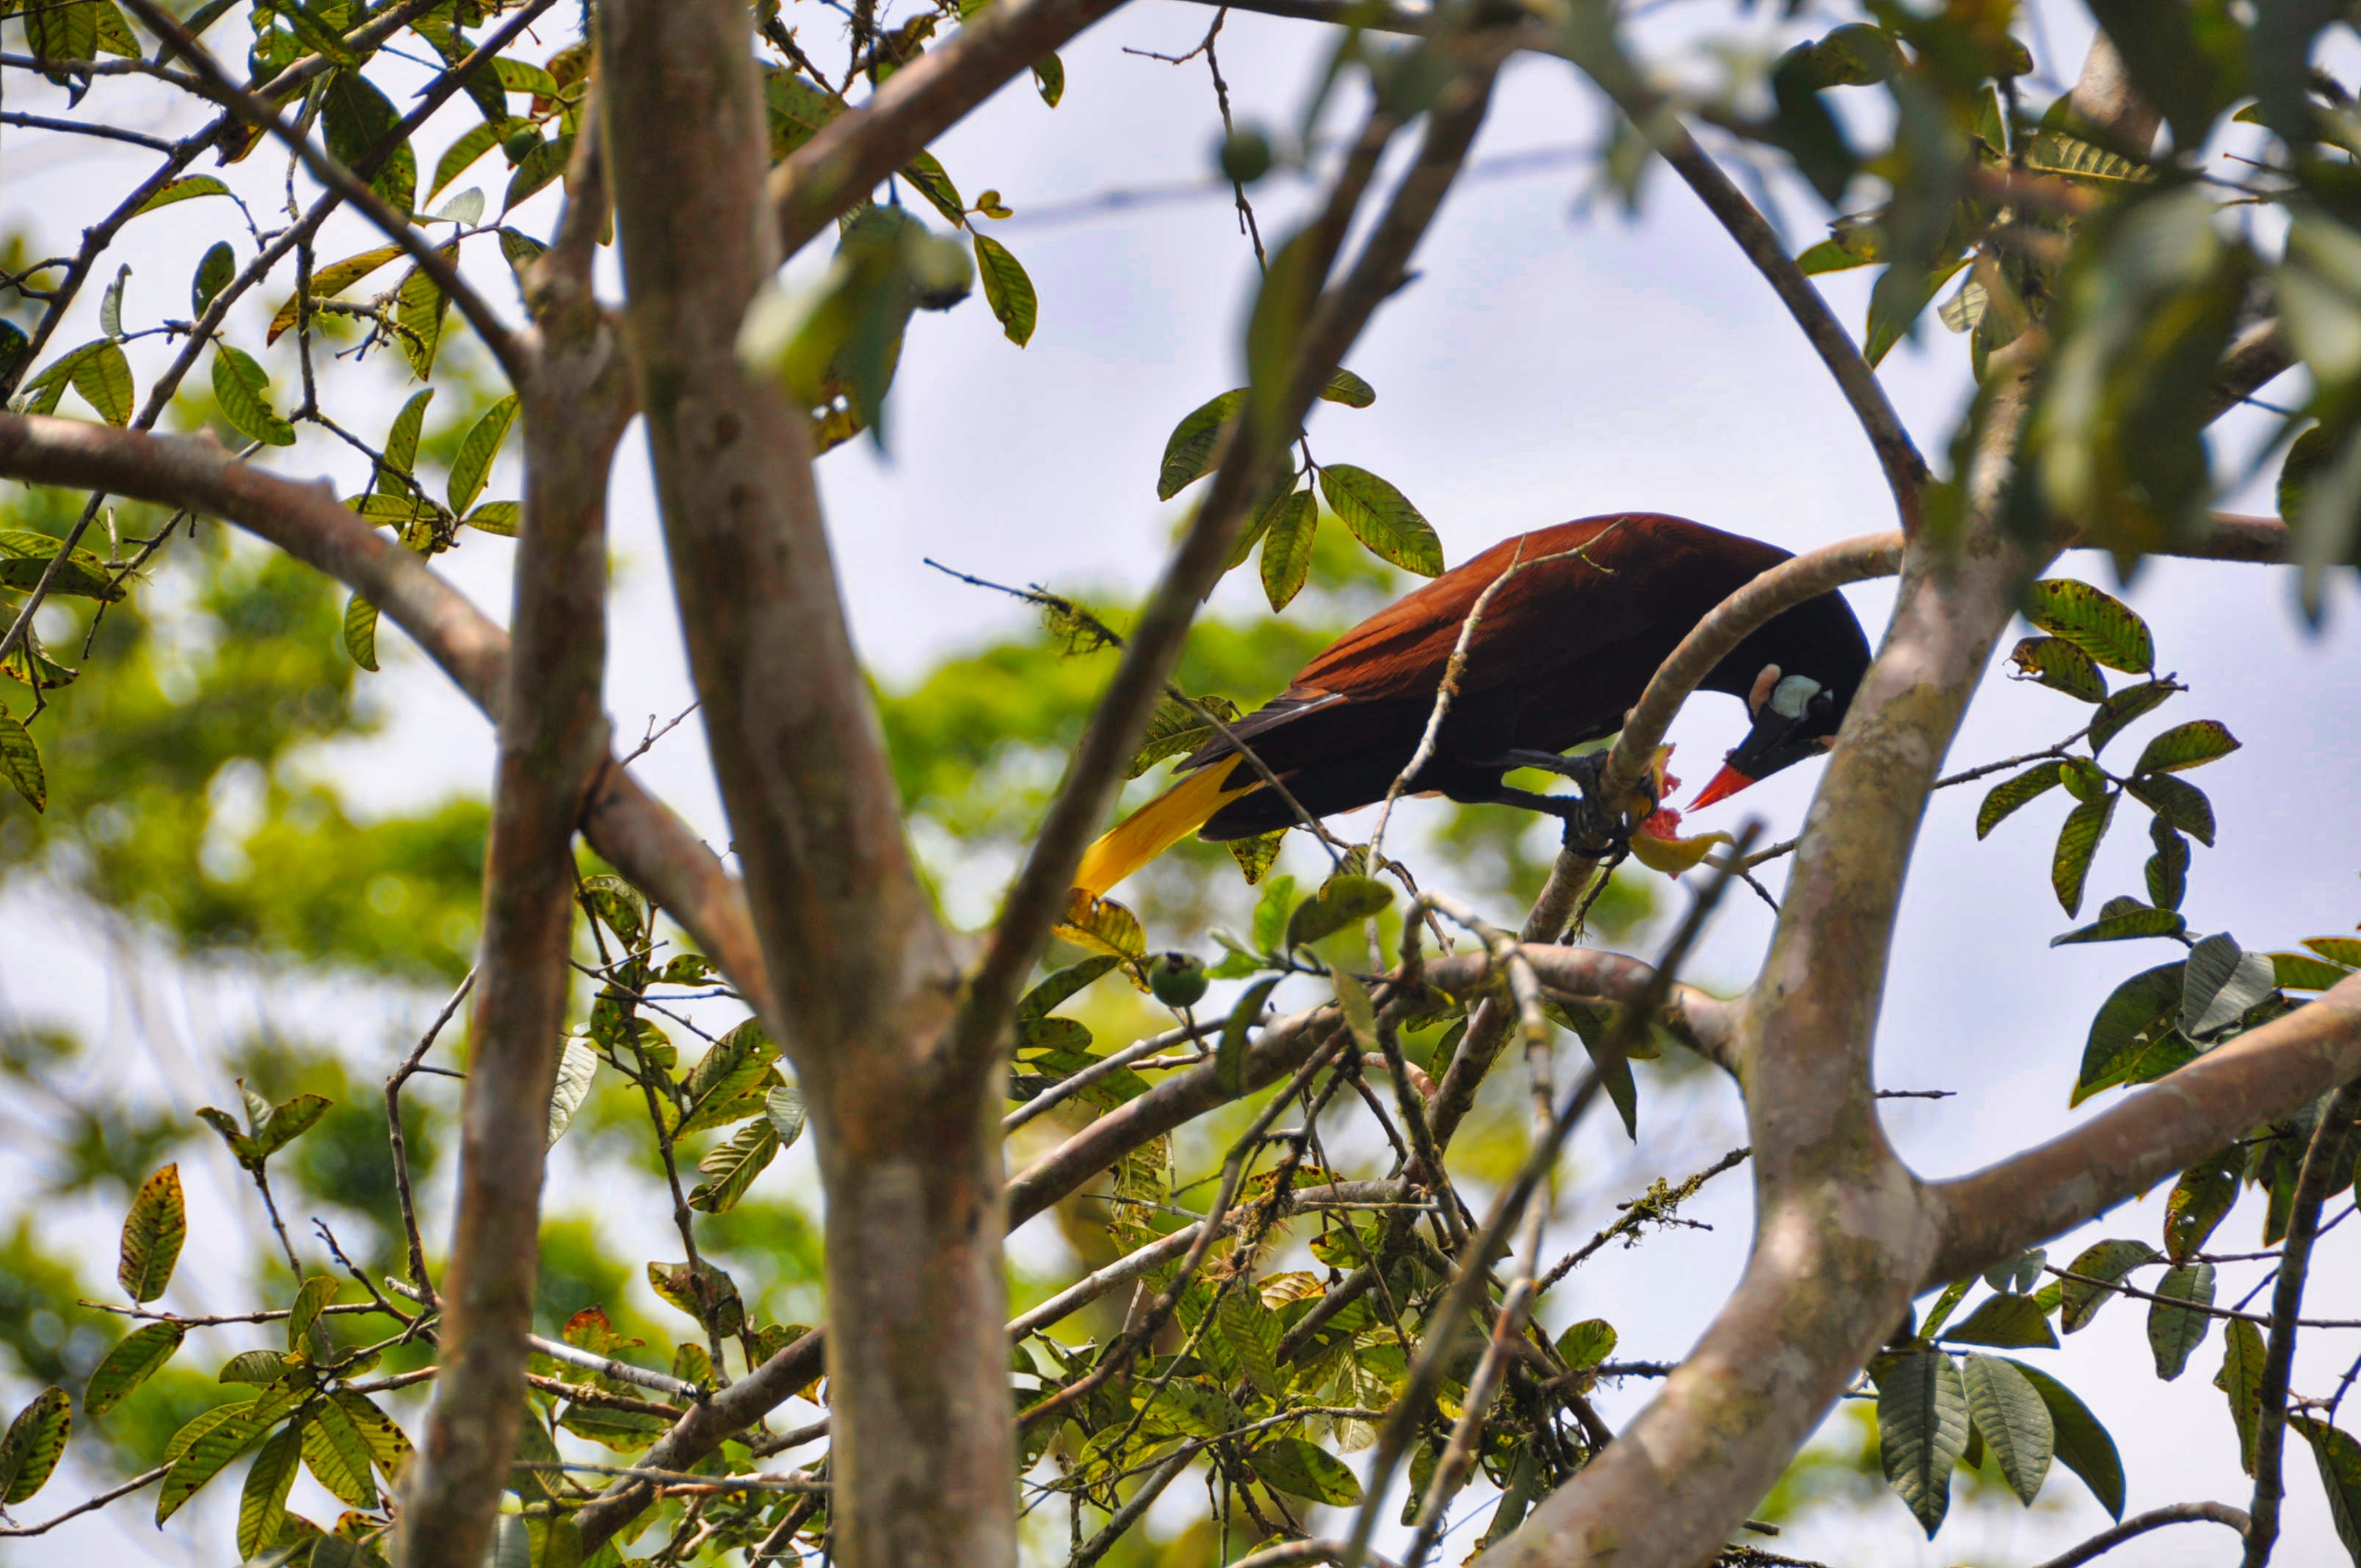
x=1560 y=654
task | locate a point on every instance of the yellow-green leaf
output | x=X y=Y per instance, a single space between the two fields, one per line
x=1382 y=519
x=1008 y=289
x=360 y=632
x=153 y=1233
x=36 y=1441
x=329 y=281
x=242 y=387
x=137 y=1357
x=1287 y=548
x=482 y=442
x=21 y=760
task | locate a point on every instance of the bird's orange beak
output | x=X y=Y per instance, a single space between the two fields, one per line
x=1725 y=783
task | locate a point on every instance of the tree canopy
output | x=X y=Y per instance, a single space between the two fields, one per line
x=1306 y=1205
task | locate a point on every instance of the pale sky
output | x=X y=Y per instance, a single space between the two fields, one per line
x=1544 y=366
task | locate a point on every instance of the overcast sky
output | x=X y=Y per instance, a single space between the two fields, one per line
x=1544 y=366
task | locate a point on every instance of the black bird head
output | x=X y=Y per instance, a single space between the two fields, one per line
x=1797 y=675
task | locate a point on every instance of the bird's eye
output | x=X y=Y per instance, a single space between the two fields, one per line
x=1792 y=695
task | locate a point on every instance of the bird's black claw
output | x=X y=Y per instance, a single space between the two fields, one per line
x=1593 y=828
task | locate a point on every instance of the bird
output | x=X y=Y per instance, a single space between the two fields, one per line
x=1558 y=657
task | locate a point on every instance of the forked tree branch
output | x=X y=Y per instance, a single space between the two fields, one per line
x=1335 y=319
x=329 y=171
x=637 y=834
x=552 y=743
x=854 y=154
x=2160 y=1130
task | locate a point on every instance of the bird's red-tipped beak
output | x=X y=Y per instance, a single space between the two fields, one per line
x=1725 y=783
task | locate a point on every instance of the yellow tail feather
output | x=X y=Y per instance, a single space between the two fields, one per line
x=1156 y=827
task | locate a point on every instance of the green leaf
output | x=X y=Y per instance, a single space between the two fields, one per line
x=2200 y=1200
x=186 y=188
x=287 y=1120
x=137 y=1357
x=35 y=1442
x=482 y=442
x=329 y=281
x=2082 y=1445
x=2338 y=1457
x=1922 y=1422
x=419 y=307
x=2241 y=1381
x=360 y=632
x=110 y=305
x=336 y=1457
x=2302 y=971
x=2186 y=746
x=1255 y=855
x=2078 y=841
x=1271 y=912
x=1586 y=1344
x=2141 y=1013
x=243 y=389
x=2100 y=624
x=153 y=1233
x=2121 y=710
x=2006 y=1322
x=733 y=1165
x=1342 y=901
x=730 y=1070
x=1189 y=451
x=310 y=1297
x=1103 y=925
x=1287 y=548
x=927 y=176
x=25 y=555
x=478 y=139
x=261 y=1368
x=2125 y=924
x=103 y=376
x=385 y=1444
x=2109 y=1260
x=2023 y=790
x=2009 y=1412
x=1008 y=289
x=2178 y=801
x=394 y=476
x=1901 y=296
x=355 y=116
x=2168 y=869
x=2172 y=1330
x=577 y=1067
x=2222 y=983
x=1054 y=991
x=1230 y=1055
x=1281 y=304
x=675 y=1283
x=1303 y=1469
x=1174 y=728
x=1049 y=79
x=2061 y=667
x=1941 y=1312
x=502 y=518
x=784 y=1108
x=1352 y=1001
x=222 y=1440
x=1253 y=1331
x=262 y=1504
x=1349 y=389
x=1382 y=519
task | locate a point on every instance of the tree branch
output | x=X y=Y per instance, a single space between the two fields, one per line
x=2323 y=1162
x=554 y=741
x=216 y=84
x=636 y=833
x=2140 y=1524
x=853 y=154
x=2263 y=1074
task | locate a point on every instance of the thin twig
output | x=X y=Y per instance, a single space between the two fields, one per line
x=400 y=1142
x=2140 y=1524
x=2323 y=1163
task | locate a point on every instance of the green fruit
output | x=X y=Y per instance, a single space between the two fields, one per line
x=517 y=144
x=1245 y=155
x=1178 y=979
